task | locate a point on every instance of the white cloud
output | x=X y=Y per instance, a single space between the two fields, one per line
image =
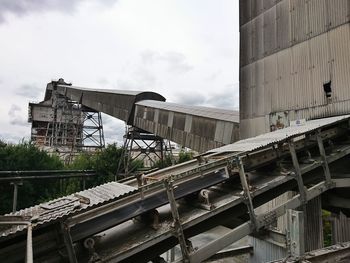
x=185 y=50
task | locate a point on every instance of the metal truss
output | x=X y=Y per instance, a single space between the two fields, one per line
x=143 y=146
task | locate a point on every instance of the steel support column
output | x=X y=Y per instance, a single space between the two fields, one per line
x=324 y=158
x=247 y=196
x=298 y=174
x=177 y=223
x=68 y=243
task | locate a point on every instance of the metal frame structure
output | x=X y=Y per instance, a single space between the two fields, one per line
x=16 y=178
x=224 y=172
x=71 y=128
x=143 y=146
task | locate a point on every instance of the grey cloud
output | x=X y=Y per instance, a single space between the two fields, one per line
x=148 y=56
x=214 y=75
x=102 y=81
x=126 y=85
x=16 y=117
x=175 y=62
x=12 y=138
x=23 y=7
x=29 y=91
x=113 y=130
x=226 y=99
x=191 y=98
x=145 y=78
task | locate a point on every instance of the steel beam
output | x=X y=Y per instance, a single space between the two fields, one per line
x=298 y=174
x=247 y=196
x=185 y=249
x=68 y=243
x=325 y=166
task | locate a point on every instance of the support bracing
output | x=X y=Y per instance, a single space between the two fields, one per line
x=185 y=248
x=144 y=147
x=297 y=171
x=68 y=243
x=246 y=191
x=324 y=158
x=66 y=127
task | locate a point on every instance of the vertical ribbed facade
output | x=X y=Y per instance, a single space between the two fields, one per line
x=289 y=51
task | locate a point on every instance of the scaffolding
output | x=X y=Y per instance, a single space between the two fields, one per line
x=65 y=127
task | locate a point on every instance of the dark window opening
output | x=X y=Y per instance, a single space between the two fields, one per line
x=327 y=87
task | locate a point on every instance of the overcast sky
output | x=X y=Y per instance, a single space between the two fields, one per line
x=186 y=50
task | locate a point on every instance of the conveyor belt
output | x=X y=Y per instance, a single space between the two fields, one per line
x=229 y=199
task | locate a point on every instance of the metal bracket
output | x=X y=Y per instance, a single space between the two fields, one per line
x=204 y=196
x=68 y=243
x=267 y=219
x=247 y=195
x=185 y=248
x=298 y=174
x=89 y=244
x=324 y=159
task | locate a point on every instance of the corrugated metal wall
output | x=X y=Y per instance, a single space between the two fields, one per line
x=340 y=228
x=190 y=130
x=289 y=49
x=265 y=251
x=313 y=225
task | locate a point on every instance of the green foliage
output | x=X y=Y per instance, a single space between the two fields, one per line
x=25 y=156
x=163 y=163
x=327 y=228
x=185 y=156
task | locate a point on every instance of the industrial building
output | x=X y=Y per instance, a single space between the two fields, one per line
x=271 y=184
x=65 y=127
x=295 y=54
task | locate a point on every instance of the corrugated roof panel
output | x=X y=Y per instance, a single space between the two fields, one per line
x=277 y=136
x=56 y=209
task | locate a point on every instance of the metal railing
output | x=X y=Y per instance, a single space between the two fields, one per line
x=16 y=178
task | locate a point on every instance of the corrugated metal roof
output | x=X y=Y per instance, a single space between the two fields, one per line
x=122 y=92
x=207 y=112
x=278 y=136
x=50 y=211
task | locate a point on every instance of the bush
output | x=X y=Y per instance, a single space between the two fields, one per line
x=25 y=156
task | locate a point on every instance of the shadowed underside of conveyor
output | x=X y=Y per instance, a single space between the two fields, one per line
x=305 y=159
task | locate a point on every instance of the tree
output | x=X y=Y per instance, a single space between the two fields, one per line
x=25 y=156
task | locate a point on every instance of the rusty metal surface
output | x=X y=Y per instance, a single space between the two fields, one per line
x=51 y=211
x=278 y=136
